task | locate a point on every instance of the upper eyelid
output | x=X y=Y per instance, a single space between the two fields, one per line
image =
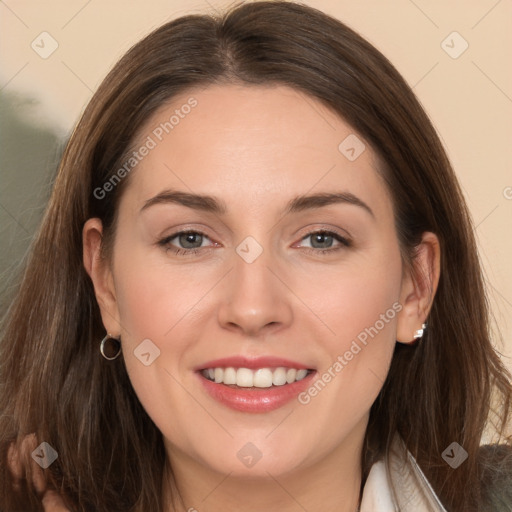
x=330 y=230
x=172 y=236
x=340 y=234
x=341 y=239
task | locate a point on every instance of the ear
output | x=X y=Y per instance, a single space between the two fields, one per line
x=100 y=272
x=419 y=286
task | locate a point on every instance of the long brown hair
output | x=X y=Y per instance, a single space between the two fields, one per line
x=54 y=381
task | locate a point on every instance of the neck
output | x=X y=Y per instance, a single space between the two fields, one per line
x=331 y=484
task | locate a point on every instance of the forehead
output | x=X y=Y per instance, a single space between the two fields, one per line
x=253 y=143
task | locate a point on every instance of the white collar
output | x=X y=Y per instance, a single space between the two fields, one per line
x=400 y=471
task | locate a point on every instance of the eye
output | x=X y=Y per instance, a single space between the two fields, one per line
x=325 y=241
x=185 y=242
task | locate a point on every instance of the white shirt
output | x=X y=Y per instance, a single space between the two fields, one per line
x=412 y=492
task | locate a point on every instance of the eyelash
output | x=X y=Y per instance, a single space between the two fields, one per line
x=165 y=242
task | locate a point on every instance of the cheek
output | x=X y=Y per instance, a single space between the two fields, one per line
x=154 y=296
x=157 y=301
x=360 y=306
x=359 y=299
x=366 y=308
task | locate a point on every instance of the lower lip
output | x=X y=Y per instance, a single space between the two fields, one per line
x=256 y=400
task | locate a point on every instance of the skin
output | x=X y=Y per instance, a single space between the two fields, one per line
x=255 y=149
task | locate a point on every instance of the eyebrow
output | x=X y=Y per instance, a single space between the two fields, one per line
x=211 y=204
x=322 y=199
x=195 y=201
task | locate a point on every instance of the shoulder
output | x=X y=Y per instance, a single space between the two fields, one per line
x=495 y=462
x=397 y=483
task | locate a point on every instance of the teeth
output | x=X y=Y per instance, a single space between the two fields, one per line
x=279 y=377
x=244 y=377
x=290 y=375
x=301 y=374
x=260 y=378
x=229 y=376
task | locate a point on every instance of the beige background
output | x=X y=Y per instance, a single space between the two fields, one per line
x=468 y=98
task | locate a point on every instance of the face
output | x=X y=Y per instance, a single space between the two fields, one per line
x=253 y=250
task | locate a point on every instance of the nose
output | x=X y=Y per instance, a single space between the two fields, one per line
x=255 y=301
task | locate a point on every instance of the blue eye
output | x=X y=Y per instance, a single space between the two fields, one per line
x=323 y=241
x=189 y=242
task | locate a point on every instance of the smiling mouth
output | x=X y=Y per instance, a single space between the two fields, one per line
x=262 y=378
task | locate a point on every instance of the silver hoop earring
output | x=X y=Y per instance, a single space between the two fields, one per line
x=118 y=348
x=418 y=334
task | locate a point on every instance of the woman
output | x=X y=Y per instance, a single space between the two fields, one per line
x=256 y=287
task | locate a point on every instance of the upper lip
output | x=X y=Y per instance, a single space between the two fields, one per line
x=252 y=363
